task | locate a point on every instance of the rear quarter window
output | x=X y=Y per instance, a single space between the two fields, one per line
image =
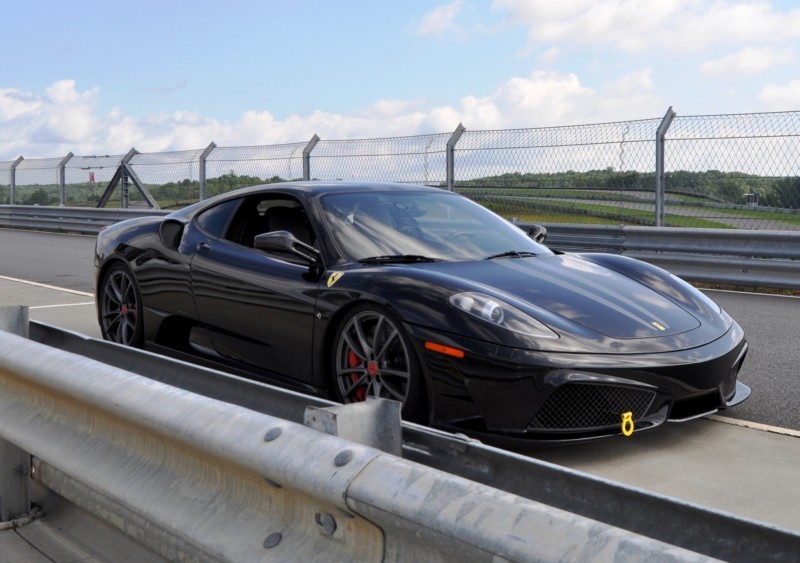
x=215 y=221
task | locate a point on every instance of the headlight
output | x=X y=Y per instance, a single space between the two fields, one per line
x=500 y=313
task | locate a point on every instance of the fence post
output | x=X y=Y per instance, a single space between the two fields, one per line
x=12 y=181
x=203 y=157
x=15 y=487
x=307 y=157
x=62 y=182
x=661 y=188
x=125 y=186
x=451 y=156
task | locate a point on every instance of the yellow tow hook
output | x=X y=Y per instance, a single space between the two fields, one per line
x=627 y=423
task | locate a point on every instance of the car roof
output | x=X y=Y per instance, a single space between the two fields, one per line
x=314 y=187
x=307 y=188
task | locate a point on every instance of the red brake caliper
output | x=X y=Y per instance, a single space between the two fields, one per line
x=361 y=392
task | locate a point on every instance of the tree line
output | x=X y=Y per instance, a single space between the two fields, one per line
x=724 y=187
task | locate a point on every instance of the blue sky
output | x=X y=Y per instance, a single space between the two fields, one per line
x=100 y=77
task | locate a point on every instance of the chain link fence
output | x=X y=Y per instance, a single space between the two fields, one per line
x=5 y=182
x=36 y=181
x=723 y=171
x=86 y=178
x=417 y=160
x=181 y=168
x=590 y=173
x=740 y=171
x=234 y=167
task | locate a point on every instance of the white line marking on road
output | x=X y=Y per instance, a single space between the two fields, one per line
x=61 y=305
x=45 y=286
x=755 y=425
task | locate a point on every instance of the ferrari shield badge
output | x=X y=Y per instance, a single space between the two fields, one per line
x=334 y=277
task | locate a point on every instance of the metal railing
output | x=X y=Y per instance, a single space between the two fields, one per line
x=238 y=484
x=747 y=258
x=723 y=171
x=255 y=484
x=719 y=256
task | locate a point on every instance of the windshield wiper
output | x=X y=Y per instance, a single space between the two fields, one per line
x=512 y=254
x=398 y=259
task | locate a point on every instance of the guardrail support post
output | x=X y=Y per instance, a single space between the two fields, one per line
x=374 y=423
x=307 y=157
x=450 y=156
x=661 y=188
x=15 y=485
x=203 y=157
x=12 y=181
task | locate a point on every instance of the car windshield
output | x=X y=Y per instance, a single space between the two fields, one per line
x=414 y=227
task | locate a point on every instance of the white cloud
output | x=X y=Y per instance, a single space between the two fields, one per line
x=549 y=56
x=51 y=124
x=781 y=97
x=14 y=104
x=69 y=113
x=553 y=99
x=748 y=61
x=638 y=25
x=65 y=119
x=440 y=20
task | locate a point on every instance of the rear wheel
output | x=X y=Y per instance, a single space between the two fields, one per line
x=373 y=357
x=120 y=307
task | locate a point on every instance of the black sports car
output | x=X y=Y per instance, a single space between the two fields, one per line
x=417 y=294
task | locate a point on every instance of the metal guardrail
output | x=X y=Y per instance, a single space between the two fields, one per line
x=197 y=478
x=664 y=519
x=726 y=256
x=722 y=256
x=82 y=220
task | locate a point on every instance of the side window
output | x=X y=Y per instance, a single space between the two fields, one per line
x=266 y=214
x=216 y=221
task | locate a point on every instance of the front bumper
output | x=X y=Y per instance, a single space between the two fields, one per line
x=555 y=397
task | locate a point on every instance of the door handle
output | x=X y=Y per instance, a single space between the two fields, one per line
x=204 y=246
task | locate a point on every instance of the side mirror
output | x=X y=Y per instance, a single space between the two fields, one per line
x=285 y=242
x=538 y=233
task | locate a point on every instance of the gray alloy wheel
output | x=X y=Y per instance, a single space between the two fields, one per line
x=120 y=307
x=373 y=358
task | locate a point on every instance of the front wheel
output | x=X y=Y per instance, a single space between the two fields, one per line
x=373 y=357
x=121 y=307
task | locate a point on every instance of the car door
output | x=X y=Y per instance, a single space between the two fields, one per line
x=259 y=309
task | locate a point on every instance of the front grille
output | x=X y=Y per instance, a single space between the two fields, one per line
x=587 y=406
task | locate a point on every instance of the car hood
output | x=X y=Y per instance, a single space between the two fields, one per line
x=580 y=292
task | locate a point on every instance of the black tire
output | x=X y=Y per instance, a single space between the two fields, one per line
x=121 y=307
x=373 y=357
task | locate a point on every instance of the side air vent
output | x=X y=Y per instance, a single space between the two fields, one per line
x=170 y=233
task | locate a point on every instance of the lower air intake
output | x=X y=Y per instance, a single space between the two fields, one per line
x=589 y=406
